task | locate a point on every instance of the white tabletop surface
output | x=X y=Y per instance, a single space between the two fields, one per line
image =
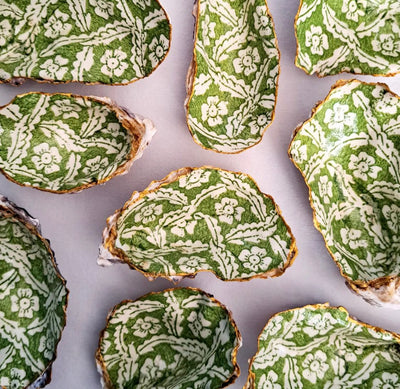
x=74 y=223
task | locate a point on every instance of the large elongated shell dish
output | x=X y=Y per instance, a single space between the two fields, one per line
x=349 y=155
x=33 y=301
x=200 y=219
x=232 y=81
x=319 y=346
x=65 y=143
x=90 y=41
x=181 y=338
x=355 y=36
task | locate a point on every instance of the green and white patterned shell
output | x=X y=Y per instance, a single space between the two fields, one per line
x=65 y=143
x=322 y=347
x=179 y=338
x=200 y=219
x=90 y=41
x=355 y=36
x=349 y=155
x=232 y=81
x=33 y=301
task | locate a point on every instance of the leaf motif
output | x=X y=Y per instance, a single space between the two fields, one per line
x=253 y=232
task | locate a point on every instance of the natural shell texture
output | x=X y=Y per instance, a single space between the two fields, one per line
x=90 y=41
x=33 y=300
x=355 y=36
x=179 y=338
x=322 y=347
x=201 y=219
x=232 y=81
x=349 y=155
x=65 y=143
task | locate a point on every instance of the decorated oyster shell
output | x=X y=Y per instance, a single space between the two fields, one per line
x=65 y=143
x=176 y=338
x=318 y=346
x=200 y=219
x=95 y=41
x=359 y=37
x=349 y=155
x=33 y=301
x=232 y=81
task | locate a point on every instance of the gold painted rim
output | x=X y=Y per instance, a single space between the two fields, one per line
x=109 y=242
x=236 y=369
x=192 y=71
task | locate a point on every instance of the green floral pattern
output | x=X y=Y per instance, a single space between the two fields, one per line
x=180 y=338
x=321 y=347
x=349 y=154
x=202 y=219
x=33 y=299
x=66 y=143
x=233 y=78
x=356 y=36
x=91 y=41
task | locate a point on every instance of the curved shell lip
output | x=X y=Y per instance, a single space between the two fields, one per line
x=318 y=74
x=355 y=285
x=14 y=80
x=31 y=223
x=236 y=369
x=109 y=240
x=193 y=71
x=131 y=125
x=250 y=380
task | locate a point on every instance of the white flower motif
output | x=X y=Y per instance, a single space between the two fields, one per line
x=94 y=165
x=392 y=216
x=158 y=48
x=56 y=25
x=192 y=264
x=145 y=326
x=298 y=151
x=339 y=117
x=197 y=324
x=66 y=108
x=319 y=325
x=46 y=158
x=6 y=31
x=227 y=210
x=247 y=61
x=24 y=303
x=208 y=28
x=363 y=166
x=114 y=64
x=274 y=326
x=316 y=40
x=262 y=22
x=17 y=379
x=325 y=189
x=255 y=259
x=387 y=381
x=269 y=381
x=195 y=179
x=148 y=213
x=47 y=345
x=387 y=45
x=258 y=125
x=386 y=102
x=351 y=237
x=103 y=8
x=353 y=9
x=347 y=352
x=152 y=370
x=315 y=366
x=184 y=226
x=213 y=110
x=53 y=68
